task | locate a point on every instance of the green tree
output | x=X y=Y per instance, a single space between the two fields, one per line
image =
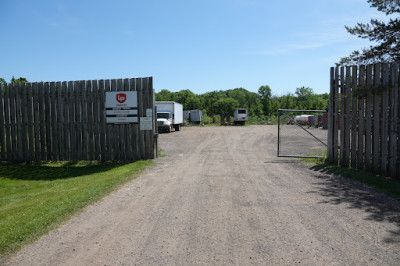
x=209 y=98
x=164 y=95
x=20 y=80
x=192 y=103
x=226 y=106
x=385 y=34
x=256 y=110
x=265 y=93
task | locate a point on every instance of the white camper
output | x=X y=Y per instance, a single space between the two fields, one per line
x=240 y=116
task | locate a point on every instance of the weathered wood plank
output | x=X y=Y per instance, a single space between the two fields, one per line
x=7 y=121
x=149 y=133
x=376 y=134
x=134 y=127
x=141 y=114
x=2 y=126
x=36 y=113
x=103 y=126
x=42 y=120
x=24 y=121
x=25 y=118
x=335 y=131
x=65 y=123
x=342 y=116
x=330 y=114
x=346 y=118
x=55 y=122
x=69 y=119
x=13 y=122
x=354 y=116
x=78 y=113
x=89 y=121
x=30 y=122
x=19 y=121
x=110 y=135
x=74 y=120
x=49 y=136
x=145 y=133
x=361 y=94
x=368 y=119
x=60 y=122
x=152 y=98
x=95 y=121
x=85 y=135
x=115 y=130
x=397 y=80
x=128 y=129
x=394 y=156
x=385 y=120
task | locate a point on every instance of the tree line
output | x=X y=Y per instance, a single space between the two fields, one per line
x=262 y=104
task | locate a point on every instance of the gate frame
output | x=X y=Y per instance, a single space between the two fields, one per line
x=297 y=124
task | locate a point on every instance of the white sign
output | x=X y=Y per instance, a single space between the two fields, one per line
x=121 y=107
x=122 y=119
x=146 y=123
x=121 y=99
x=121 y=112
x=149 y=112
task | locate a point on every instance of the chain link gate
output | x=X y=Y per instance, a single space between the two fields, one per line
x=302 y=133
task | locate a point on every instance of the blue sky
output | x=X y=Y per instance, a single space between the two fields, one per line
x=201 y=45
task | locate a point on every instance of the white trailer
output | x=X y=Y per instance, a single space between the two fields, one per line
x=240 y=116
x=169 y=115
x=195 y=116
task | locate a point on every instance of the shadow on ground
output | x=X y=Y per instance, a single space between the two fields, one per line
x=340 y=190
x=52 y=172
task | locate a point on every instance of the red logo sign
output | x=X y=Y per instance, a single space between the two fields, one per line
x=121 y=97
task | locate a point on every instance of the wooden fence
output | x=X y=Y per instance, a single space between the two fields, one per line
x=364 y=118
x=65 y=121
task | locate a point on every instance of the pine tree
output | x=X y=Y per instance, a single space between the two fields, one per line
x=385 y=34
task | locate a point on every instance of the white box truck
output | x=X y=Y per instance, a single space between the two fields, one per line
x=240 y=116
x=169 y=115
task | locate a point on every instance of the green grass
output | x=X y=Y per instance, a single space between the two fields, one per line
x=37 y=198
x=388 y=186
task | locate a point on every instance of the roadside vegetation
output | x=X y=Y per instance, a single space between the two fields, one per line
x=37 y=198
x=262 y=106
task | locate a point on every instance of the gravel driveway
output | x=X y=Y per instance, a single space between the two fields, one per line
x=222 y=197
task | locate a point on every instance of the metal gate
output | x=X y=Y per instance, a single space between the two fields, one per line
x=302 y=133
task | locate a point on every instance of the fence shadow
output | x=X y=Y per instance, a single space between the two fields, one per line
x=340 y=190
x=46 y=172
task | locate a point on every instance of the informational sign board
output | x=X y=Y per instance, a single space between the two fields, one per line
x=149 y=112
x=146 y=123
x=121 y=107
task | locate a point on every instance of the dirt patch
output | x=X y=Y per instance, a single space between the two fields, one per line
x=221 y=196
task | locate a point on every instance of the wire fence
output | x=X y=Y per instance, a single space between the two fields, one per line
x=302 y=133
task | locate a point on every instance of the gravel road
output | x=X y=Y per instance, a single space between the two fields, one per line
x=220 y=196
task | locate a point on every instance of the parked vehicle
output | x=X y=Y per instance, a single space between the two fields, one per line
x=195 y=116
x=240 y=116
x=169 y=115
x=302 y=119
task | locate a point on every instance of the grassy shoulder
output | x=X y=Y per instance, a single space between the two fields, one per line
x=37 y=198
x=388 y=186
